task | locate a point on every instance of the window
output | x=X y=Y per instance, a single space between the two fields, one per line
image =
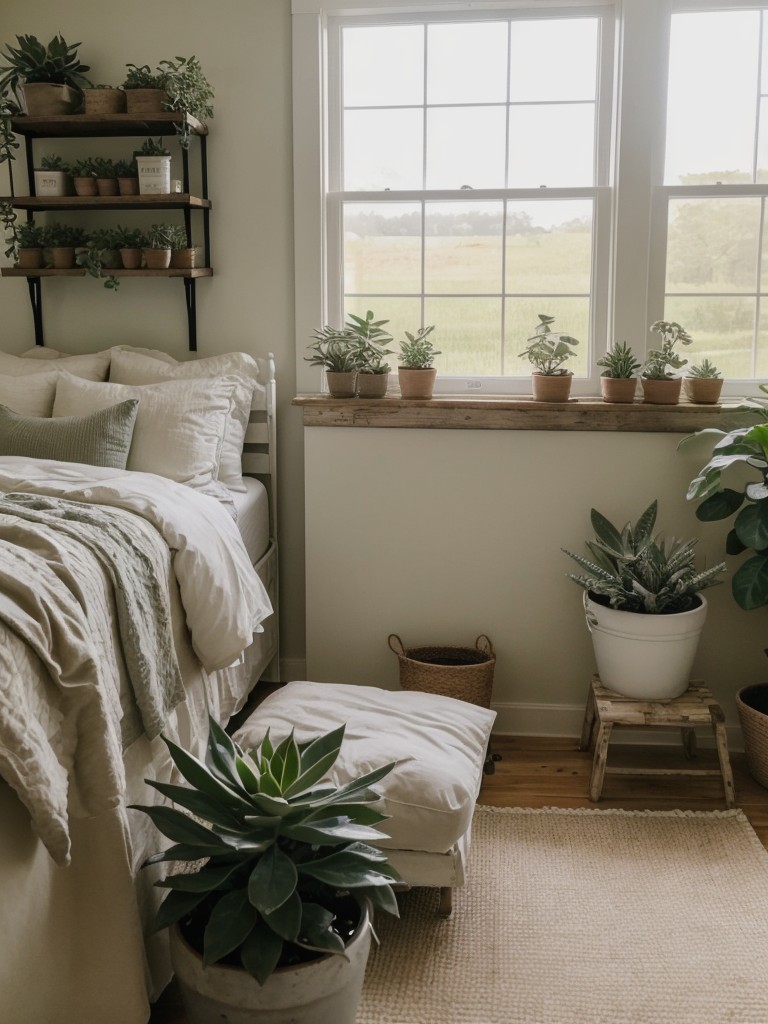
x=604 y=163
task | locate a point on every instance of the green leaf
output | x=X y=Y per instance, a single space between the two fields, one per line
x=318 y=749
x=360 y=785
x=720 y=505
x=175 y=906
x=750 y=583
x=316 y=931
x=261 y=951
x=733 y=545
x=220 y=752
x=312 y=775
x=751 y=526
x=200 y=777
x=606 y=532
x=286 y=920
x=331 y=832
x=230 y=923
x=347 y=871
x=209 y=877
x=183 y=852
x=200 y=804
x=383 y=898
x=181 y=828
x=272 y=881
x=248 y=778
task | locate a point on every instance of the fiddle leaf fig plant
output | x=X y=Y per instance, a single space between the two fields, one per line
x=548 y=350
x=280 y=847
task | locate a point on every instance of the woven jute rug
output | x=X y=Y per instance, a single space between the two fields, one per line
x=585 y=917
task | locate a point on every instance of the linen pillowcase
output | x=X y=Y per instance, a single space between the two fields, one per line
x=179 y=425
x=31 y=395
x=134 y=368
x=100 y=438
x=91 y=367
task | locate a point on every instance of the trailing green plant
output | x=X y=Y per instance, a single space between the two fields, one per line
x=129 y=238
x=151 y=148
x=94 y=258
x=659 y=362
x=31 y=61
x=417 y=351
x=189 y=92
x=160 y=236
x=64 y=235
x=143 y=77
x=8 y=143
x=9 y=220
x=705 y=370
x=84 y=168
x=548 y=350
x=280 y=847
x=632 y=570
x=53 y=162
x=126 y=169
x=619 y=362
x=741 y=455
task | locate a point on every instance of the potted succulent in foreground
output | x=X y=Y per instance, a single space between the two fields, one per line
x=644 y=607
x=275 y=922
x=416 y=373
x=661 y=387
x=618 y=381
x=547 y=351
x=52 y=177
x=703 y=383
x=45 y=80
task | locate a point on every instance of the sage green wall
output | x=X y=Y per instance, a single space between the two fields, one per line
x=245 y=50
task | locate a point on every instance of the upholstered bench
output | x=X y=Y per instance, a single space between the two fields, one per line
x=439 y=744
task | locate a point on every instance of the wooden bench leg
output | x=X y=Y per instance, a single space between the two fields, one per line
x=689 y=741
x=589 y=721
x=599 y=760
x=725 y=763
x=446 y=901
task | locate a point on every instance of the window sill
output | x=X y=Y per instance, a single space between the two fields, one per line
x=497 y=413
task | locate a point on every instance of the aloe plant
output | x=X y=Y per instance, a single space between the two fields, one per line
x=619 y=362
x=279 y=844
x=705 y=370
x=32 y=61
x=632 y=570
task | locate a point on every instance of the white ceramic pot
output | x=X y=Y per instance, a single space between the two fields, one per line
x=648 y=657
x=322 y=991
x=154 y=175
x=51 y=183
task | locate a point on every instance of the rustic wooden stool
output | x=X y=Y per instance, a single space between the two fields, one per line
x=695 y=707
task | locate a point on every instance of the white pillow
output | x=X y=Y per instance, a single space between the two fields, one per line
x=31 y=395
x=154 y=353
x=41 y=352
x=134 y=368
x=179 y=426
x=91 y=367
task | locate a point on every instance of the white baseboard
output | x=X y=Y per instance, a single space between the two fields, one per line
x=567 y=719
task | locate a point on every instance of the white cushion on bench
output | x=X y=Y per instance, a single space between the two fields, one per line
x=440 y=744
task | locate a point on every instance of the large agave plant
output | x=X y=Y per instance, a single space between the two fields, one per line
x=279 y=848
x=637 y=572
x=32 y=61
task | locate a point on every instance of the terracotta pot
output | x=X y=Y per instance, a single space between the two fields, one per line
x=46 y=99
x=62 y=256
x=618 y=389
x=107 y=186
x=416 y=383
x=128 y=186
x=341 y=385
x=30 y=259
x=145 y=101
x=372 y=385
x=185 y=259
x=551 y=387
x=131 y=258
x=661 y=392
x=104 y=101
x=157 y=259
x=86 y=186
x=703 y=390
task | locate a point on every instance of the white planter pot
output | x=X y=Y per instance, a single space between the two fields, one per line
x=648 y=657
x=51 y=183
x=322 y=991
x=154 y=175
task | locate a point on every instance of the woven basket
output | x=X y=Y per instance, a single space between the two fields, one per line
x=752 y=705
x=465 y=673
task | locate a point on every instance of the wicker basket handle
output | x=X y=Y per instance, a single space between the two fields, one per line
x=401 y=652
x=487 y=648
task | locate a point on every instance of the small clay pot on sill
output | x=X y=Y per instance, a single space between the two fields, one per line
x=662 y=391
x=551 y=387
x=341 y=384
x=618 y=389
x=30 y=259
x=703 y=390
x=157 y=259
x=416 y=383
x=130 y=258
x=372 y=385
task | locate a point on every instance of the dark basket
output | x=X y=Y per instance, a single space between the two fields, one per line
x=752 y=705
x=465 y=673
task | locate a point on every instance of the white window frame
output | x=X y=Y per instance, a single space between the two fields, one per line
x=627 y=269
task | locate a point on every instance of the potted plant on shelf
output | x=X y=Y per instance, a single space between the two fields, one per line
x=52 y=177
x=370 y=338
x=334 y=350
x=189 y=92
x=275 y=922
x=30 y=240
x=106 y=176
x=644 y=607
x=618 y=381
x=127 y=174
x=153 y=161
x=130 y=242
x=661 y=387
x=157 y=251
x=416 y=373
x=703 y=383
x=183 y=255
x=103 y=99
x=742 y=454
x=84 y=176
x=45 y=80
x=61 y=241
x=547 y=351
x=144 y=90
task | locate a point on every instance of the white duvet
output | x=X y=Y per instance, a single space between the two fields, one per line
x=59 y=743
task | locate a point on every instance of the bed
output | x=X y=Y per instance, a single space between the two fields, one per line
x=92 y=671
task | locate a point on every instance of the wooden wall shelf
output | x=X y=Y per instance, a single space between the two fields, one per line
x=117 y=272
x=166 y=201
x=100 y=125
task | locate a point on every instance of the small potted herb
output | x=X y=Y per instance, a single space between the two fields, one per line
x=703 y=383
x=618 y=381
x=84 y=176
x=127 y=174
x=183 y=255
x=548 y=351
x=370 y=339
x=52 y=177
x=416 y=373
x=153 y=161
x=30 y=240
x=62 y=240
x=159 y=242
x=335 y=350
x=145 y=91
x=106 y=176
x=103 y=99
x=130 y=242
x=660 y=386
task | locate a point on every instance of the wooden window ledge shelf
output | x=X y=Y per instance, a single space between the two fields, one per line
x=518 y=413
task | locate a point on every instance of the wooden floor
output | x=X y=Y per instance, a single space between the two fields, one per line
x=548 y=772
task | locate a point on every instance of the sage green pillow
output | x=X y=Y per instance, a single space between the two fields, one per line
x=101 y=438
